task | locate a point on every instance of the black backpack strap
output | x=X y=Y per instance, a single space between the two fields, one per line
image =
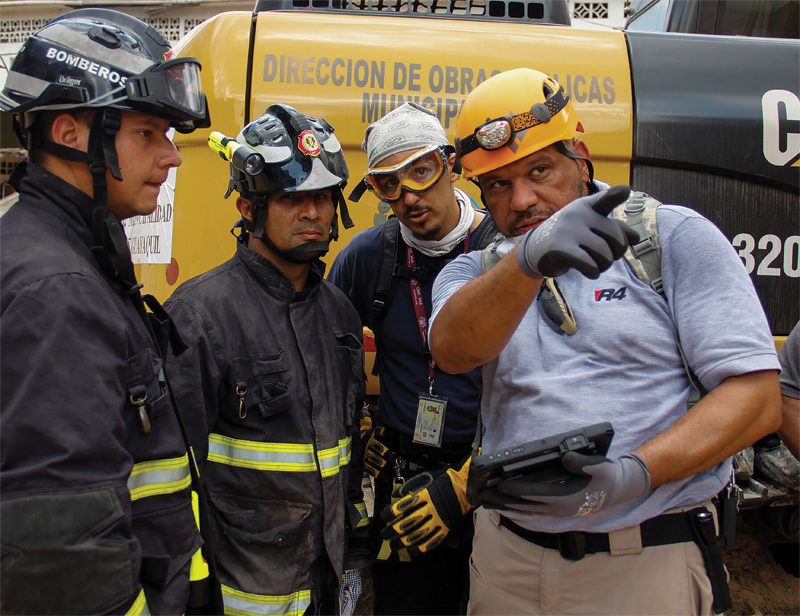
x=384 y=285
x=485 y=232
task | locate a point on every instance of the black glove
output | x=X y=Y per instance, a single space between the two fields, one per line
x=596 y=483
x=377 y=457
x=580 y=235
x=428 y=506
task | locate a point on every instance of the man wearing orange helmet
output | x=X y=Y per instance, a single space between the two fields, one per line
x=631 y=533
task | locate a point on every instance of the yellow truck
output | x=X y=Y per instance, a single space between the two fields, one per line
x=705 y=120
x=704 y=112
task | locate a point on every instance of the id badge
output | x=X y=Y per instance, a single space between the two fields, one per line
x=430 y=420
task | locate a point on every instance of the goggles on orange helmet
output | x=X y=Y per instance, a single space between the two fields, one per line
x=416 y=174
x=495 y=134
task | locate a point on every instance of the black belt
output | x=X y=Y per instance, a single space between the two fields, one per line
x=666 y=529
x=574 y=545
x=424 y=456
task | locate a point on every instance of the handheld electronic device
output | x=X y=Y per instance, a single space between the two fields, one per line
x=540 y=458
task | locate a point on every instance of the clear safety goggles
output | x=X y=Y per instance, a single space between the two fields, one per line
x=494 y=134
x=416 y=174
x=553 y=305
x=173 y=85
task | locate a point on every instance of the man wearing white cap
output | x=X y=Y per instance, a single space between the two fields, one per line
x=426 y=419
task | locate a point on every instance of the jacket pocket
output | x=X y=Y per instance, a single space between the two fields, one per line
x=261 y=545
x=258 y=385
x=161 y=562
x=146 y=394
x=64 y=554
x=350 y=360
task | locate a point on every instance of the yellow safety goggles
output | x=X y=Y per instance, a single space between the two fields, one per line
x=416 y=174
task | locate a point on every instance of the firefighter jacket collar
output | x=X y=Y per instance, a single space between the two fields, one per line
x=274 y=279
x=47 y=190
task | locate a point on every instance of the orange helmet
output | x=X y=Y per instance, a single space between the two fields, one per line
x=511 y=115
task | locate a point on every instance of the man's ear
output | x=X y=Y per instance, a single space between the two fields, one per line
x=68 y=131
x=579 y=147
x=245 y=207
x=451 y=163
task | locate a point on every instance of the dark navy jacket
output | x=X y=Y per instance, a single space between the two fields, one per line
x=93 y=509
x=271 y=388
x=402 y=362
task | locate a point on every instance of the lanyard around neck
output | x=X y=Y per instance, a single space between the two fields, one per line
x=419 y=308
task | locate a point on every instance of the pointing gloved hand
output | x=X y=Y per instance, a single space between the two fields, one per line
x=597 y=483
x=377 y=457
x=429 y=505
x=580 y=236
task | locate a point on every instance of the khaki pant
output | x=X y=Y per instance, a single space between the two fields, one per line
x=509 y=575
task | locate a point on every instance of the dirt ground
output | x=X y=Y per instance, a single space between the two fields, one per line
x=759 y=585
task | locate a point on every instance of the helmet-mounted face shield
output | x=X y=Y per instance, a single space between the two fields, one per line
x=495 y=134
x=416 y=174
x=175 y=87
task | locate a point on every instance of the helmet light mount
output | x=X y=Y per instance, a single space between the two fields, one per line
x=243 y=157
x=497 y=133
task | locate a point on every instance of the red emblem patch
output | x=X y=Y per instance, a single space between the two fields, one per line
x=308 y=144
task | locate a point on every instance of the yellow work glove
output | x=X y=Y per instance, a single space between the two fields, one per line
x=429 y=505
x=377 y=457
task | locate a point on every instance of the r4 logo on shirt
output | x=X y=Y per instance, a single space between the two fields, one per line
x=609 y=294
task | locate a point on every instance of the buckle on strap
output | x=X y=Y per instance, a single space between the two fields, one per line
x=572 y=545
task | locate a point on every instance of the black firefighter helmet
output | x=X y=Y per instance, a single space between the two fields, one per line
x=288 y=151
x=112 y=62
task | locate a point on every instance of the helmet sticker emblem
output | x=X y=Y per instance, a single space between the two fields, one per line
x=308 y=144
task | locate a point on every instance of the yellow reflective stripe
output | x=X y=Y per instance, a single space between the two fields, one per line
x=139 y=607
x=159 y=477
x=261 y=456
x=238 y=603
x=362 y=511
x=331 y=460
x=198 y=569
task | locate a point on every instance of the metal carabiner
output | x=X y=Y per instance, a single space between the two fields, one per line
x=242 y=392
x=141 y=408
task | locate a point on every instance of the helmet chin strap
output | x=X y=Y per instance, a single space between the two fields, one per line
x=109 y=243
x=570 y=154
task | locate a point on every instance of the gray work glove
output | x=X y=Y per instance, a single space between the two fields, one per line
x=597 y=483
x=580 y=235
x=349 y=592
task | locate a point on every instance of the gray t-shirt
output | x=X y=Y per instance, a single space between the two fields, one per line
x=623 y=365
x=790 y=364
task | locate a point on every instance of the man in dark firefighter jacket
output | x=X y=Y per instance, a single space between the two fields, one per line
x=96 y=483
x=274 y=377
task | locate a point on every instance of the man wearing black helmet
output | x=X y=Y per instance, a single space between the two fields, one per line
x=274 y=376
x=96 y=479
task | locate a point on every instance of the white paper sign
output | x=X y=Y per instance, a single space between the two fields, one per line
x=150 y=237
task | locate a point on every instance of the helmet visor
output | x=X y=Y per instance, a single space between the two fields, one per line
x=174 y=88
x=416 y=174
